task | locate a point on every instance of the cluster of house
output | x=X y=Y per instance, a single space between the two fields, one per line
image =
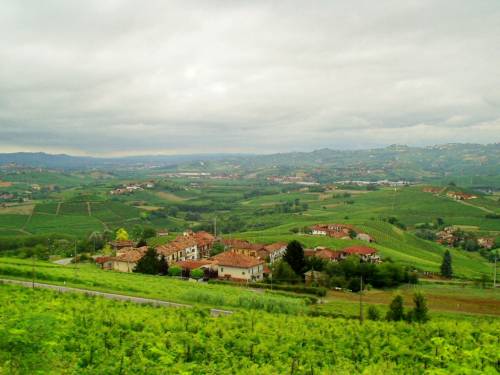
x=365 y=253
x=449 y=236
x=131 y=188
x=341 y=231
x=432 y=190
x=458 y=196
x=241 y=260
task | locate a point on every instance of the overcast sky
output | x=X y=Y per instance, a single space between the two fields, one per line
x=145 y=77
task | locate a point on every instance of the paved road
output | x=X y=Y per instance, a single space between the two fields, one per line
x=64 y=261
x=119 y=297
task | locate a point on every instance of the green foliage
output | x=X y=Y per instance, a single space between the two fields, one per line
x=47 y=332
x=197 y=273
x=420 y=312
x=283 y=272
x=174 y=271
x=170 y=289
x=217 y=248
x=121 y=235
x=396 y=309
x=446 y=266
x=373 y=313
x=149 y=263
x=294 y=256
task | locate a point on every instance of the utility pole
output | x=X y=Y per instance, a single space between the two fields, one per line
x=76 y=262
x=495 y=270
x=33 y=272
x=361 y=318
x=215 y=226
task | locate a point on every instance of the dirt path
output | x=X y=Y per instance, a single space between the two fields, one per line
x=89 y=209
x=479 y=207
x=113 y=296
x=58 y=209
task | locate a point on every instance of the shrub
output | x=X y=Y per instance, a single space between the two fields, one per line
x=174 y=271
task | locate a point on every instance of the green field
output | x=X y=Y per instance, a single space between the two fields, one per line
x=44 y=331
x=164 y=288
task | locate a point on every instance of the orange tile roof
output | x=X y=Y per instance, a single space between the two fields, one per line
x=193 y=264
x=360 y=250
x=132 y=255
x=275 y=246
x=232 y=259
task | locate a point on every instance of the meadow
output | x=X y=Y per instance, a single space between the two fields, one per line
x=44 y=331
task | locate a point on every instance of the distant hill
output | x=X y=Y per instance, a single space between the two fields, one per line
x=393 y=162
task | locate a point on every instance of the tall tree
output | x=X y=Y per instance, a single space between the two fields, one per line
x=446 y=268
x=396 y=309
x=163 y=268
x=420 y=313
x=282 y=272
x=294 y=256
x=149 y=263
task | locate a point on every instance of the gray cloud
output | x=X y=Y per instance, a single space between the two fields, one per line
x=124 y=77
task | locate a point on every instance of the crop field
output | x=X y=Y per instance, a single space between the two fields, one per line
x=11 y=221
x=68 y=224
x=74 y=208
x=164 y=288
x=45 y=331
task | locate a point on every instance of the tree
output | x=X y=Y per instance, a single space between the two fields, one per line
x=373 y=313
x=148 y=232
x=294 y=256
x=282 y=272
x=420 y=312
x=174 y=271
x=197 y=273
x=149 y=263
x=446 y=268
x=217 y=248
x=137 y=232
x=396 y=309
x=121 y=235
x=163 y=269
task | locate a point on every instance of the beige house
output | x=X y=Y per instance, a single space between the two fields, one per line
x=234 y=266
x=127 y=260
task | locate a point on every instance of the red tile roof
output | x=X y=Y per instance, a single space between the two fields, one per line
x=275 y=246
x=132 y=255
x=193 y=264
x=360 y=250
x=232 y=259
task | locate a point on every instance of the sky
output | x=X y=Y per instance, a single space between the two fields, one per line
x=115 y=78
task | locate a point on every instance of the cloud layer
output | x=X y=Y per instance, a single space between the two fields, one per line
x=127 y=77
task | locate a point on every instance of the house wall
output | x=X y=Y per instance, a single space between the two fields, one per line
x=123 y=266
x=255 y=273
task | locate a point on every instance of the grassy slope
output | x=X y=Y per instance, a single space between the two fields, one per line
x=90 y=277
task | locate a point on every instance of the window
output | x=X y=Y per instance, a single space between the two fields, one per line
x=222 y=269
x=243 y=272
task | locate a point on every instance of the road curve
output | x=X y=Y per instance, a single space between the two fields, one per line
x=113 y=296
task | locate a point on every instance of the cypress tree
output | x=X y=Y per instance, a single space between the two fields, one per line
x=294 y=256
x=163 y=267
x=420 y=312
x=446 y=268
x=149 y=263
x=396 y=309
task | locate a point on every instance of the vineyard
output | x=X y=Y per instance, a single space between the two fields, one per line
x=44 y=331
x=168 y=289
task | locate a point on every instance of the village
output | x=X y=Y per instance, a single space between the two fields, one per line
x=238 y=260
